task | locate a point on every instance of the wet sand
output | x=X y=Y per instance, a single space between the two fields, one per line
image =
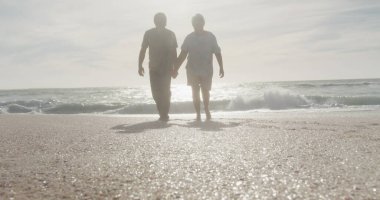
x=264 y=156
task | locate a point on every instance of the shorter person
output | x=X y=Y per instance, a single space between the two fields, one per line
x=199 y=47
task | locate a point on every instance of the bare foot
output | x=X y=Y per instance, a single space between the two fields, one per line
x=208 y=115
x=164 y=118
x=198 y=117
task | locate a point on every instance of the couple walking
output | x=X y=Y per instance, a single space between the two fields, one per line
x=199 y=47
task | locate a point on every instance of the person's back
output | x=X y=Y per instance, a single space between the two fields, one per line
x=162 y=46
x=161 y=42
x=200 y=47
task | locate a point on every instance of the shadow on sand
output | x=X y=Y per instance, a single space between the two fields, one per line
x=141 y=127
x=152 y=125
x=209 y=125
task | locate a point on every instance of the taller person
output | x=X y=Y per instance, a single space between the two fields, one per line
x=162 y=46
x=199 y=47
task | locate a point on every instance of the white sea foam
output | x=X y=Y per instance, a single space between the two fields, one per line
x=274 y=99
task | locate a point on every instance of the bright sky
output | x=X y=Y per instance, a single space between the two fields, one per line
x=95 y=43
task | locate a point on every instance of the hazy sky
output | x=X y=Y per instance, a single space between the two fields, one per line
x=93 y=43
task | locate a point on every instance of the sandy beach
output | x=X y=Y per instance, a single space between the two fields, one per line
x=289 y=155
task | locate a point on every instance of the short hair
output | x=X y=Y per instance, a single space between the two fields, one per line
x=198 y=19
x=160 y=19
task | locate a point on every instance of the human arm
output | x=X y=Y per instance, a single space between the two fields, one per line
x=174 y=56
x=144 y=47
x=220 y=62
x=141 y=60
x=181 y=58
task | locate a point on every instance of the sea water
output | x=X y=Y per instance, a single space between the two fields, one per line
x=324 y=95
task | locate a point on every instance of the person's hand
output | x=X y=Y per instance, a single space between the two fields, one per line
x=221 y=73
x=141 y=71
x=174 y=73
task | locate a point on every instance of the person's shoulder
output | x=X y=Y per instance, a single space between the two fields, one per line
x=190 y=35
x=209 y=33
x=169 y=31
x=150 y=31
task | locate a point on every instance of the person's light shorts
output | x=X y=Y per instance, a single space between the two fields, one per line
x=204 y=82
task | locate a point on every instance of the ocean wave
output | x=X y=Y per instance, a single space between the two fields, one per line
x=327 y=85
x=30 y=103
x=345 y=100
x=283 y=100
x=273 y=99
x=15 y=108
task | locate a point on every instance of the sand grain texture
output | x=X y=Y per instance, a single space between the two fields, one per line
x=265 y=156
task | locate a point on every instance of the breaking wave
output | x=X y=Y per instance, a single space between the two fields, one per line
x=271 y=99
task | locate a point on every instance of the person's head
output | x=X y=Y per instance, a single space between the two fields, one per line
x=160 y=20
x=198 y=22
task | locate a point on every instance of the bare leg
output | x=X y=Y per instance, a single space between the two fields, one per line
x=197 y=100
x=206 y=102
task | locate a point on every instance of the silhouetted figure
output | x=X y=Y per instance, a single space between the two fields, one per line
x=199 y=46
x=162 y=46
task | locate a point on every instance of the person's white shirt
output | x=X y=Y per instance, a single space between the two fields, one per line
x=200 y=48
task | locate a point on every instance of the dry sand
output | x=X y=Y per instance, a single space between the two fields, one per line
x=264 y=156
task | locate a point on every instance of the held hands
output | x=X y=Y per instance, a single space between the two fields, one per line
x=221 y=72
x=141 y=71
x=174 y=73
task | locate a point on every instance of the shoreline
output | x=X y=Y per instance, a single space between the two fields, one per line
x=226 y=114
